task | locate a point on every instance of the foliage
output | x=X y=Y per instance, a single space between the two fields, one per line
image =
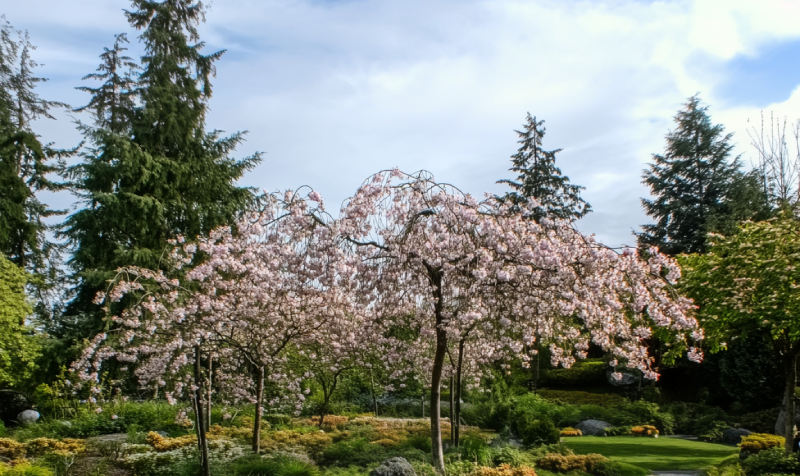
x=756 y=442
x=541 y=180
x=751 y=373
x=771 y=461
x=476 y=450
x=697 y=190
x=24 y=469
x=152 y=171
x=505 y=470
x=617 y=431
x=576 y=397
x=537 y=432
x=160 y=443
x=39 y=446
x=25 y=163
x=18 y=349
x=563 y=464
x=745 y=287
x=570 y=432
x=726 y=468
x=583 y=373
x=644 y=430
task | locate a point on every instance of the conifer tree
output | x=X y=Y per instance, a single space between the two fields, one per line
x=697 y=188
x=539 y=178
x=25 y=164
x=153 y=171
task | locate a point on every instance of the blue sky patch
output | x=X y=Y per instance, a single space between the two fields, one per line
x=758 y=81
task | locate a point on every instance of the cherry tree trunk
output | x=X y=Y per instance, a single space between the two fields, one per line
x=437 y=453
x=259 y=409
x=208 y=403
x=452 y=410
x=199 y=399
x=459 y=370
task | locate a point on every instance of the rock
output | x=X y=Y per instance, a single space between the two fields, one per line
x=394 y=467
x=27 y=417
x=627 y=378
x=593 y=427
x=5 y=459
x=733 y=436
x=163 y=434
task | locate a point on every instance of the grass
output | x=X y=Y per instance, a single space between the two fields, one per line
x=655 y=454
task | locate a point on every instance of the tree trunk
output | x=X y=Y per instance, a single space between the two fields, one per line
x=790 y=372
x=202 y=444
x=208 y=404
x=259 y=409
x=459 y=369
x=372 y=389
x=436 y=386
x=422 y=403
x=452 y=411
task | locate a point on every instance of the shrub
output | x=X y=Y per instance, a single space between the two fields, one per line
x=538 y=432
x=476 y=450
x=757 y=442
x=583 y=373
x=508 y=455
x=644 y=430
x=617 y=431
x=615 y=468
x=330 y=421
x=570 y=432
x=544 y=450
x=460 y=468
x=575 y=397
x=160 y=443
x=24 y=469
x=505 y=470
x=563 y=464
x=420 y=442
x=647 y=413
x=771 y=461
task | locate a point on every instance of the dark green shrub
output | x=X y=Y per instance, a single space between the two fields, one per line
x=584 y=373
x=647 y=413
x=538 y=432
x=771 y=461
x=616 y=468
x=617 y=431
x=575 y=397
x=420 y=442
x=277 y=419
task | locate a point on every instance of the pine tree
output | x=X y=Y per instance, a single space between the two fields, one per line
x=697 y=188
x=153 y=171
x=25 y=164
x=540 y=179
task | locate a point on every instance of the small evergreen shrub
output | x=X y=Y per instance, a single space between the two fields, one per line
x=563 y=464
x=771 y=461
x=617 y=431
x=570 y=432
x=574 y=397
x=505 y=470
x=757 y=442
x=644 y=430
x=538 y=432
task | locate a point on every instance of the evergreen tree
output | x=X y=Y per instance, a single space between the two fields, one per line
x=24 y=165
x=697 y=188
x=153 y=171
x=540 y=179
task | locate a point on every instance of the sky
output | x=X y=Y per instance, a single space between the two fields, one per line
x=332 y=91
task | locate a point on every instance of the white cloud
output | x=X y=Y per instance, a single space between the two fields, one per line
x=334 y=91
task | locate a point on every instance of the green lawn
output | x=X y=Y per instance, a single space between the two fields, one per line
x=655 y=454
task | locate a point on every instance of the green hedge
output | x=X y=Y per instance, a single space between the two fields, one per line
x=584 y=373
x=575 y=397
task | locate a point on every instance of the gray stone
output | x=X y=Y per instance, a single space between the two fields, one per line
x=27 y=417
x=593 y=427
x=394 y=467
x=628 y=378
x=163 y=434
x=733 y=436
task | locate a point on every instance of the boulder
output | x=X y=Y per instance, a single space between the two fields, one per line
x=628 y=378
x=733 y=436
x=11 y=404
x=27 y=417
x=394 y=467
x=593 y=427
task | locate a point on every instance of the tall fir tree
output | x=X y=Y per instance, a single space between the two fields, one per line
x=153 y=171
x=26 y=167
x=697 y=187
x=540 y=179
